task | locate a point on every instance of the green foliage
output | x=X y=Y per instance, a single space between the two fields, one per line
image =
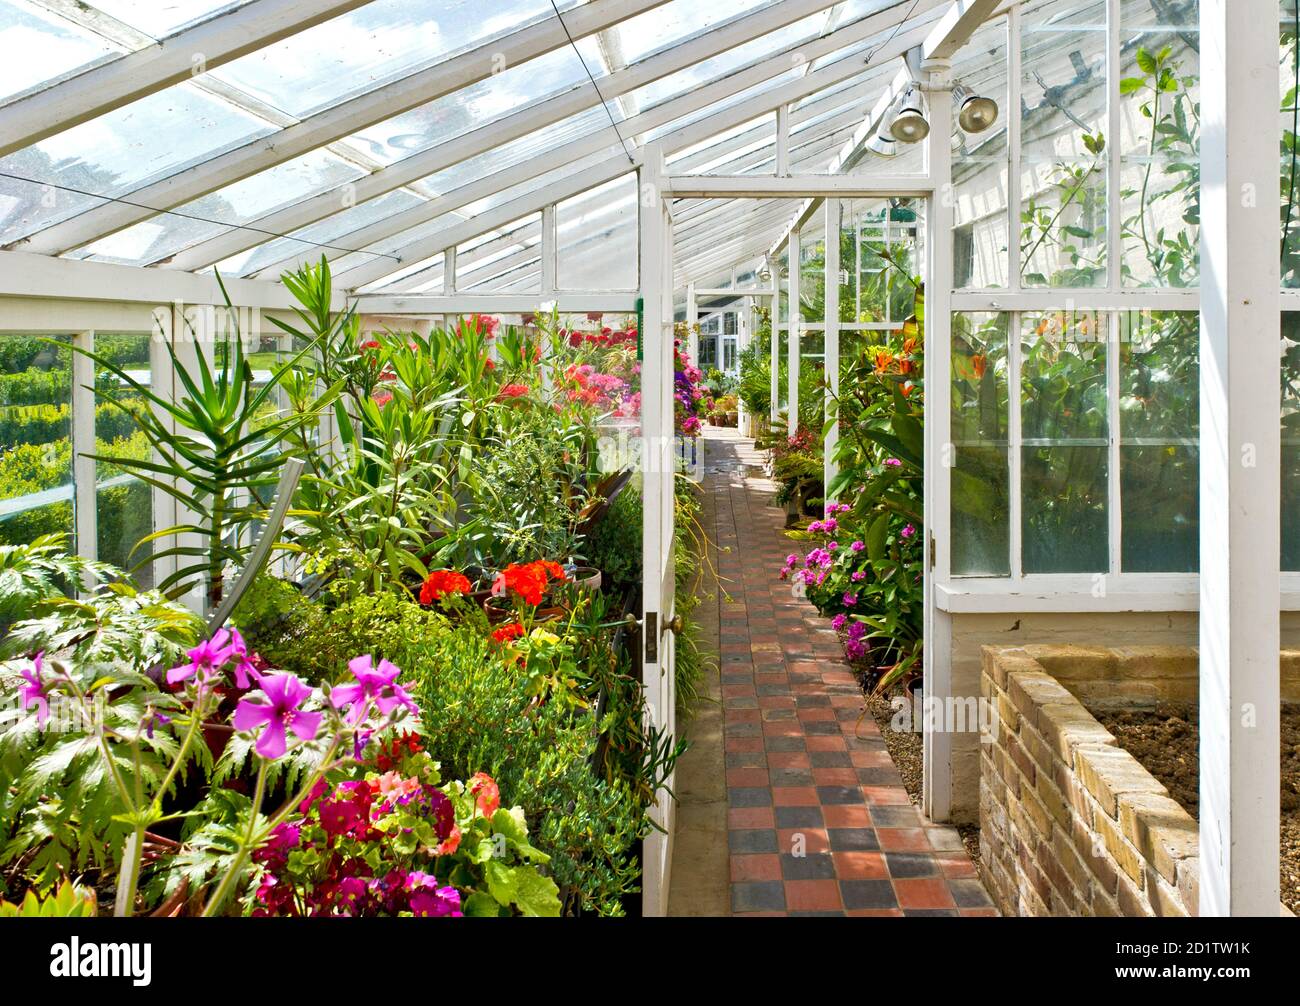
x=68 y=902
x=481 y=715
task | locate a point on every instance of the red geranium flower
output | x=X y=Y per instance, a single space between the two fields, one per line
x=442 y=582
x=514 y=391
x=512 y=630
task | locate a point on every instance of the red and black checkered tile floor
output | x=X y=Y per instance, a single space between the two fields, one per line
x=818 y=821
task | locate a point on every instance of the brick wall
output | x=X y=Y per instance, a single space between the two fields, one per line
x=1070 y=823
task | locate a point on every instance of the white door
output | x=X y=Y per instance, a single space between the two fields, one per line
x=658 y=465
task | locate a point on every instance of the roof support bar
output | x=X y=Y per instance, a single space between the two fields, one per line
x=211 y=43
x=527 y=120
x=334 y=123
x=678 y=139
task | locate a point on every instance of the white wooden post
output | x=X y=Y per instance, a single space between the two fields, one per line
x=775 y=327
x=1240 y=373
x=658 y=465
x=937 y=744
x=84 y=505
x=692 y=320
x=792 y=338
x=831 y=336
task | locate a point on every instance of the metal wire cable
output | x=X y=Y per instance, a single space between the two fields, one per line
x=603 y=103
x=189 y=216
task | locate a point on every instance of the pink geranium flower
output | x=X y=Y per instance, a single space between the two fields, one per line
x=377 y=684
x=205 y=659
x=282 y=712
x=33 y=693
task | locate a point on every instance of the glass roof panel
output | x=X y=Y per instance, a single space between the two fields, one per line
x=117 y=153
x=332 y=231
x=40 y=47
x=655 y=30
x=480 y=103
x=370 y=46
x=161 y=18
x=240 y=203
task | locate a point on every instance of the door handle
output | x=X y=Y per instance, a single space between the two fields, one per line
x=676 y=625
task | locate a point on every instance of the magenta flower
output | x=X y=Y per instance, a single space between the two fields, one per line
x=205 y=659
x=858 y=546
x=430 y=900
x=839 y=621
x=849 y=599
x=894 y=463
x=33 y=693
x=373 y=683
x=858 y=576
x=244 y=667
x=286 y=694
x=908 y=531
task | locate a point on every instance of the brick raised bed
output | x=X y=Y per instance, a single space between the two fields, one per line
x=1070 y=823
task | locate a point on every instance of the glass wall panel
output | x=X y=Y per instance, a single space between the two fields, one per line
x=1064 y=442
x=980 y=463
x=36 y=494
x=597 y=238
x=1291 y=442
x=1159 y=454
x=1159 y=98
x=980 y=166
x=1063 y=121
x=123 y=504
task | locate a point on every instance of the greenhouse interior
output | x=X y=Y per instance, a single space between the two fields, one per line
x=608 y=458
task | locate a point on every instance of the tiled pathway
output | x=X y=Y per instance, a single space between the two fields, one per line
x=818 y=821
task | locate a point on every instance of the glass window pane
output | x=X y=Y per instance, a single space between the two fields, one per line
x=123 y=504
x=981 y=508
x=597 y=238
x=1291 y=442
x=36 y=495
x=980 y=167
x=1159 y=99
x=1159 y=453
x=812 y=268
x=55 y=46
x=1064 y=443
x=116 y=153
x=1063 y=123
x=1289 y=70
x=362 y=50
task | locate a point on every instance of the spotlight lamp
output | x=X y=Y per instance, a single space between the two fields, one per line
x=975 y=113
x=882 y=144
x=910 y=124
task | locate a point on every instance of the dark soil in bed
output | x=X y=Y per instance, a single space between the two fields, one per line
x=1165 y=741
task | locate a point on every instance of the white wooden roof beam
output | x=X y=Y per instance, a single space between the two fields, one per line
x=334 y=123
x=678 y=139
x=107 y=86
x=545 y=113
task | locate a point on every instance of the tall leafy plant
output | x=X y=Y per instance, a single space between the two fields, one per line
x=219 y=447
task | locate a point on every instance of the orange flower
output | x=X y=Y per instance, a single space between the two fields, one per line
x=450 y=844
x=442 y=582
x=884 y=359
x=978 y=362
x=488 y=794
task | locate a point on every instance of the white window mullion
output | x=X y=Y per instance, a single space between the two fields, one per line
x=83 y=444
x=1113 y=513
x=1114 y=207
x=1014 y=451
x=1013 y=150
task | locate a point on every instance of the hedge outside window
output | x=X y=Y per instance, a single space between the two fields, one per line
x=36 y=490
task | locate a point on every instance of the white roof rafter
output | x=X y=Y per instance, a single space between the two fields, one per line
x=515 y=125
x=224 y=37
x=334 y=123
x=678 y=139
